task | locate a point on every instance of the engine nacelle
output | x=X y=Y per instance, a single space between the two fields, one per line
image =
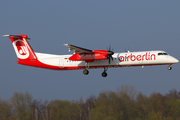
x=90 y=57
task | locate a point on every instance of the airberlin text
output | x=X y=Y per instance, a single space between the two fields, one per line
x=131 y=57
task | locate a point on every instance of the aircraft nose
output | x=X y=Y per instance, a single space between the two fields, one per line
x=175 y=60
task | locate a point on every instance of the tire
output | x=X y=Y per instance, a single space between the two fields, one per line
x=169 y=68
x=85 y=72
x=104 y=74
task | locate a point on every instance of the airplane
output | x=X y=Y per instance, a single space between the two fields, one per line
x=86 y=59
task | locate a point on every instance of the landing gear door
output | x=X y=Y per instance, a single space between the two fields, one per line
x=61 y=63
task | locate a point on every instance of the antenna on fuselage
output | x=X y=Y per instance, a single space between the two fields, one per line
x=127 y=50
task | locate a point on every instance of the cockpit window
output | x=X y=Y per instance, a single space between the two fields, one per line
x=162 y=54
x=165 y=53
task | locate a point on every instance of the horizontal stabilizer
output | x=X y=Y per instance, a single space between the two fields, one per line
x=17 y=36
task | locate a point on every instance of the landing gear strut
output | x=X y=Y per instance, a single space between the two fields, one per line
x=169 y=67
x=104 y=74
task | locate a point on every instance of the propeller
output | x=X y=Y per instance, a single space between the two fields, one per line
x=109 y=54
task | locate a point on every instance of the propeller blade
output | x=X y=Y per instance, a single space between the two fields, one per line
x=109 y=54
x=111 y=57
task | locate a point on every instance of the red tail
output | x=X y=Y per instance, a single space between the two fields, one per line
x=22 y=48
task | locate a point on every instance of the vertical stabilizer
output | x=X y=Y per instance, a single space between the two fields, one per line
x=22 y=48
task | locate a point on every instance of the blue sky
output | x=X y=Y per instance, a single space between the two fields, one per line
x=135 y=25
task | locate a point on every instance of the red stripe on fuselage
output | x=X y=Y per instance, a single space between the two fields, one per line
x=37 y=63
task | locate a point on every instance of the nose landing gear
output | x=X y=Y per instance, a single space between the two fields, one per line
x=169 y=67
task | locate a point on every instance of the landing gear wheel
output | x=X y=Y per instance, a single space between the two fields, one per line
x=104 y=74
x=169 y=68
x=85 y=72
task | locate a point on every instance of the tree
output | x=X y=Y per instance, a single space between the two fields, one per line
x=101 y=110
x=130 y=108
x=83 y=112
x=5 y=110
x=63 y=110
x=142 y=101
x=90 y=104
x=118 y=105
x=21 y=104
x=173 y=93
x=39 y=110
x=173 y=108
x=85 y=108
x=156 y=105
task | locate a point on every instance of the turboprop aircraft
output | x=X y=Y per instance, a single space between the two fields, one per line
x=86 y=59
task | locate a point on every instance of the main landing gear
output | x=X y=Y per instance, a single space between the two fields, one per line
x=86 y=72
x=104 y=74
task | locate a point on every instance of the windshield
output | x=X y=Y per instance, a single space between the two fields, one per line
x=162 y=53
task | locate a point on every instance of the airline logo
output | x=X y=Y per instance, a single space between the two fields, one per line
x=21 y=49
x=131 y=57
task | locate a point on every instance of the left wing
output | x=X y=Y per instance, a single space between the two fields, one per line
x=78 y=49
x=82 y=54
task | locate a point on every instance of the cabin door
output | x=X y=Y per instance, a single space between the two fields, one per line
x=61 y=63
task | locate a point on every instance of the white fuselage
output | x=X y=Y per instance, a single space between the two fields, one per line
x=85 y=58
x=145 y=58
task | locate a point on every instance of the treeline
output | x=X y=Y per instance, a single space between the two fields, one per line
x=123 y=104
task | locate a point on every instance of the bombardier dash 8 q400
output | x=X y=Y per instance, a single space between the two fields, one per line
x=85 y=58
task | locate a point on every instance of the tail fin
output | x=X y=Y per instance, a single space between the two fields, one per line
x=22 y=48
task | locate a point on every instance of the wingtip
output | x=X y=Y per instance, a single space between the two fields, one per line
x=6 y=35
x=66 y=44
